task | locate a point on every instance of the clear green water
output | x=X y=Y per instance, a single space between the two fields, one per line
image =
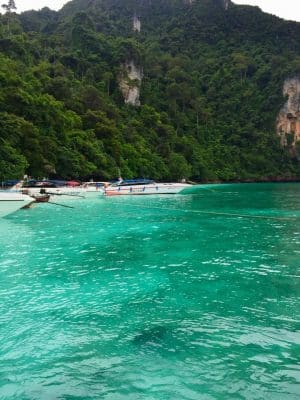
x=167 y=298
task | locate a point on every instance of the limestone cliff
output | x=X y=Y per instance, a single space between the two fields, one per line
x=288 y=121
x=130 y=81
x=136 y=23
x=225 y=3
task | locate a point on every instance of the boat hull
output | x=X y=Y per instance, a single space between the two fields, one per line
x=93 y=189
x=157 y=188
x=90 y=193
x=57 y=193
x=11 y=202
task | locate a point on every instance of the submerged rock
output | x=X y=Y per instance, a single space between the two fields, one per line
x=149 y=336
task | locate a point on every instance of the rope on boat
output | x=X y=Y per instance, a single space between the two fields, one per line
x=57 y=204
x=65 y=194
x=292 y=218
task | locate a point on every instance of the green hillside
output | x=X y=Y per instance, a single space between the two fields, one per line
x=210 y=91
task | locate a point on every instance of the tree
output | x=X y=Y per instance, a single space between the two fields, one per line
x=241 y=61
x=9 y=8
x=211 y=91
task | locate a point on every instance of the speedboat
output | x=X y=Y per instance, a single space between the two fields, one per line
x=93 y=188
x=56 y=189
x=12 y=201
x=143 y=187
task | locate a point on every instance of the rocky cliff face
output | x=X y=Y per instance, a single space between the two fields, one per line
x=288 y=121
x=225 y=4
x=136 y=24
x=130 y=82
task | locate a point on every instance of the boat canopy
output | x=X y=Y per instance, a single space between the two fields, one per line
x=133 y=182
x=39 y=184
x=50 y=183
x=9 y=183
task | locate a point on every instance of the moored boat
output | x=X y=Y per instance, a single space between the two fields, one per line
x=41 y=197
x=55 y=189
x=12 y=201
x=144 y=187
x=93 y=188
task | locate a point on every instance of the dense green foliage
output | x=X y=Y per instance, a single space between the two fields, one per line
x=211 y=91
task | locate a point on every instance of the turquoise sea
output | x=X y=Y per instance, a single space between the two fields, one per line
x=186 y=297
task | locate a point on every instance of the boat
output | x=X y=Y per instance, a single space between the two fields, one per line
x=41 y=197
x=56 y=189
x=94 y=188
x=143 y=187
x=11 y=201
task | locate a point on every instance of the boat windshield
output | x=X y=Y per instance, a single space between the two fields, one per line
x=92 y=184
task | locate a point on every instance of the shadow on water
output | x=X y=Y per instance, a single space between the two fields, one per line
x=151 y=336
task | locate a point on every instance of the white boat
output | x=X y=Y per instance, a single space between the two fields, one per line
x=93 y=188
x=63 y=192
x=144 y=187
x=12 y=201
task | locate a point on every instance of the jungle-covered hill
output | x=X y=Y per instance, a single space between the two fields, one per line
x=210 y=84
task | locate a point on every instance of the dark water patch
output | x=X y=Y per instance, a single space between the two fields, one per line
x=151 y=336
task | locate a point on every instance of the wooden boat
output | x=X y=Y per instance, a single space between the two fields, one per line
x=41 y=197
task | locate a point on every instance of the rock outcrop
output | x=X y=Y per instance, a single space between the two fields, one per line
x=136 y=24
x=288 y=121
x=225 y=4
x=130 y=82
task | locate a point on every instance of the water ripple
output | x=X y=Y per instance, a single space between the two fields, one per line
x=144 y=298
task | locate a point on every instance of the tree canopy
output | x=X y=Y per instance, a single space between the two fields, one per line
x=210 y=94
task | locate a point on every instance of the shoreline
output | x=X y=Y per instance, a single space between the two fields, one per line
x=250 y=180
